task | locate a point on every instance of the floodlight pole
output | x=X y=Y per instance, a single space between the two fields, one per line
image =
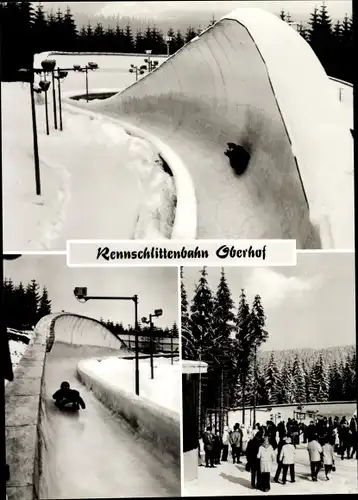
x=59 y=97
x=135 y=299
x=54 y=99
x=46 y=109
x=86 y=71
x=34 y=130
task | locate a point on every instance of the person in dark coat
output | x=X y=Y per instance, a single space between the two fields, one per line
x=66 y=396
x=252 y=461
x=344 y=439
x=208 y=439
x=218 y=445
x=281 y=427
x=311 y=431
x=280 y=445
x=235 y=441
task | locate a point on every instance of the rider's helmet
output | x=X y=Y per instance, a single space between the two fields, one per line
x=65 y=385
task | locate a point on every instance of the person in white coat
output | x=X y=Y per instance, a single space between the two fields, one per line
x=287 y=457
x=314 y=452
x=245 y=438
x=226 y=442
x=328 y=458
x=267 y=457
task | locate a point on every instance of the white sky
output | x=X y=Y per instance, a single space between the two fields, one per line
x=157 y=288
x=199 y=11
x=310 y=305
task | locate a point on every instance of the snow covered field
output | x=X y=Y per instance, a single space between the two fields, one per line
x=112 y=72
x=97 y=181
x=230 y=479
x=164 y=389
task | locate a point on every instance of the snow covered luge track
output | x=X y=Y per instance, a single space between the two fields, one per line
x=94 y=453
x=251 y=80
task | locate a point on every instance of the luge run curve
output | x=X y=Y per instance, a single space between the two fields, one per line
x=252 y=80
x=92 y=454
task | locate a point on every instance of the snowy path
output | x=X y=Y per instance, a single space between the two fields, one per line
x=93 y=454
x=94 y=177
x=230 y=479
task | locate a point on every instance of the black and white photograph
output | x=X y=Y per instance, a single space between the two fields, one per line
x=269 y=378
x=177 y=120
x=93 y=380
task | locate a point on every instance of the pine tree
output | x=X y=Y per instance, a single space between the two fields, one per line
x=69 y=30
x=223 y=327
x=32 y=303
x=262 y=395
x=179 y=40
x=175 y=331
x=190 y=34
x=45 y=304
x=283 y=15
x=39 y=29
x=299 y=381
x=242 y=348
x=320 y=382
x=336 y=386
x=286 y=384
x=350 y=390
x=272 y=380
x=201 y=309
x=21 y=320
x=128 y=42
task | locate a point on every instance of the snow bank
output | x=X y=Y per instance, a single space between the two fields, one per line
x=18 y=347
x=150 y=420
x=93 y=163
x=163 y=390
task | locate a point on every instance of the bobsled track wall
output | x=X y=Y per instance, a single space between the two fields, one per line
x=29 y=427
x=23 y=396
x=252 y=80
x=150 y=421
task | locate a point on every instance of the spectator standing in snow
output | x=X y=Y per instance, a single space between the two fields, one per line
x=253 y=463
x=218 y=444
x=245 y=438
x=267 y=457
x=287 y=457
x=328 y=458
x=281 y=443
x=314 y=452
x=235 y=441
x=226 y=442
x=208 y=439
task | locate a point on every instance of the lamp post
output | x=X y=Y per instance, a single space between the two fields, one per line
x=157 y=313
x=48 y=66
x=167 y=40
x=61 y=75
x=138 y=70
x=28 y=74
x=151 y=64
x=90 y=66
x=44 y=86
x=81 y=295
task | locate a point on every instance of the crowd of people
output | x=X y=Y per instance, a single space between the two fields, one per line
x=270 y=444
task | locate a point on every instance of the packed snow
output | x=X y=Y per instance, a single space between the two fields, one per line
x=232 y=479
x=97 y=181
x=164 y=389
x=18 y=347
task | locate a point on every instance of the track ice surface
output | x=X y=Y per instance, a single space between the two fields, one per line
x=93 y=453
